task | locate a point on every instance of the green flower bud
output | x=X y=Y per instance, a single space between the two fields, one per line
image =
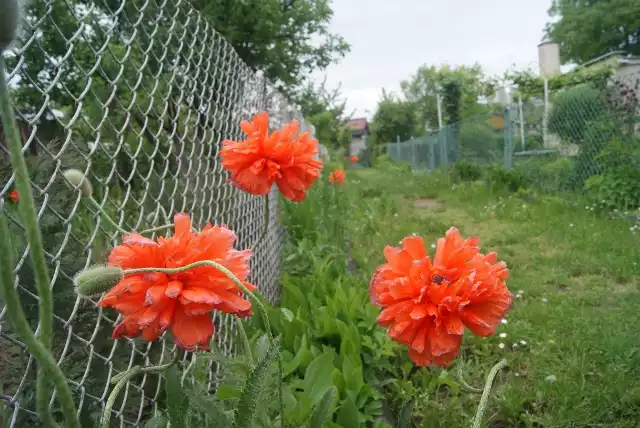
x=78 y=181
x=97 y=279
x=9 y=20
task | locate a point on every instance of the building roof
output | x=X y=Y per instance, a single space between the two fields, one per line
x=358 y=126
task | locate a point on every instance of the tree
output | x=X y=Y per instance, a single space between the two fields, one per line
x=325 y=109
x=287 y=39
x=394 y=117
x=422 y=87
x=587 y=29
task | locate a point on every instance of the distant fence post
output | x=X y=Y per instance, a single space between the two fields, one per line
x=414 y=161
x=508 y=139
x=432 y=154
x=444 y=150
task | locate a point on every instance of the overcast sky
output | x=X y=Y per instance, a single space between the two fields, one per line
x=390 y=39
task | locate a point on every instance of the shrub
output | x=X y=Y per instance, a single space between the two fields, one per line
x=505 y=179
x=572 y=110
x=466 y=171
x=618 y=184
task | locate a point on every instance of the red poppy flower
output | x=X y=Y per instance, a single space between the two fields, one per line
x=153 y=302
x=14 y=196
x=354 y=159
x=428 y=304
x=337 y=177
x=283 y=157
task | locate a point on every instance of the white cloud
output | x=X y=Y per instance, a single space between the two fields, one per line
x=391 y=39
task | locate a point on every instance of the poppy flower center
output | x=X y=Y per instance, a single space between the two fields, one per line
x=437 y=279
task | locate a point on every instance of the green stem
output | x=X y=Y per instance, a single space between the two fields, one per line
x=105 y=215
x=156 y=229
x=22 y=329
x=477 y=421
x=42 y=400
x=261 y=309
x=245 y=339
x=464 y=383
x=129 y=374
x=29 y=215
x=122 y=378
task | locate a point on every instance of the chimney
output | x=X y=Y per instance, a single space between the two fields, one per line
x=549 y=59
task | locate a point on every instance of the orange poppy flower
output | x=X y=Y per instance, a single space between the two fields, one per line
x=354 y=159
x=337 y=177
x=427 y=305
x=14 y=196
x=153 y=302
x=283 y=157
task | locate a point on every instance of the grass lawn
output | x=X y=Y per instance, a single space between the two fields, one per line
x=571 y=337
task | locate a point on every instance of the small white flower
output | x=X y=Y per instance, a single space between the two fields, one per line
x=504 y=321
x=523 y=342
x=514 y=346
x=501 y=346
x=544 y=299
x=503 y=335
x=433 y=245
x=516 y=374
x=550 y=378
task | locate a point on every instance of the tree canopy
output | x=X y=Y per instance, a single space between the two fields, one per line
x=590 y=28
x=421 y=88
x=286 y=38
x=394 y=118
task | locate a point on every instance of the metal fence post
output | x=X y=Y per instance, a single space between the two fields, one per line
x=414 y=161
x=508 y=139
x=432 y=154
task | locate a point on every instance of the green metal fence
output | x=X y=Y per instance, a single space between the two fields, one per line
x=138 y=95
x=586 y=139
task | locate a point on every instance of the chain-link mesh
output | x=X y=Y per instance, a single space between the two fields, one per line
x=138 y=95
x=479 y=139
x=559 y=146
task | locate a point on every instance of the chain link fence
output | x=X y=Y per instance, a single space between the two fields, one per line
x=138 y=95
x=585 y=139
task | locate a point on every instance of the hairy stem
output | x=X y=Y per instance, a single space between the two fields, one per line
x=29 y=216
x=261 y=309
x=22 y=329
x=477 y=421
x=129 y=374
x=156 y=229
x=245 y=339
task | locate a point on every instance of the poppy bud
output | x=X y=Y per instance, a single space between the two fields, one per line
x=9 y=19
x=97 y=279
x=78 y=181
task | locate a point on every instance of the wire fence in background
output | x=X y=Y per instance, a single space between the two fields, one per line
x=138 y=95
x=586 y=133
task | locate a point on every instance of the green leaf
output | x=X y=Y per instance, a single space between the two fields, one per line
x=158 y=421
x=287 y=314
x=318 y=376
x=323 y=410
x=348 y=415
x=352 y=372
x=253 y=386
x=404 y=418
x=177 y=401
x=225 y=392
x=301 y=355
x=210 y=407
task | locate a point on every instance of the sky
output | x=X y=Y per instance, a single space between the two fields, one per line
x=390 y=39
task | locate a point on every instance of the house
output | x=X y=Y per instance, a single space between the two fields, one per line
x=359 y=130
